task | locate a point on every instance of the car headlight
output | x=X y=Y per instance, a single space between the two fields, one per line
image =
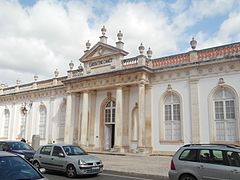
x=81 y=162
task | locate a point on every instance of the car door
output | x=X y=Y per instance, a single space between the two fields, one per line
x=234 y=165
x=58 y=161
x=212 y=165
x=44 y=156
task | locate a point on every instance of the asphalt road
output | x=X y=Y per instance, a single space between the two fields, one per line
x=105 y=176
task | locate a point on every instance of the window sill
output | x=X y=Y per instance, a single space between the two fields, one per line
x=171 y=142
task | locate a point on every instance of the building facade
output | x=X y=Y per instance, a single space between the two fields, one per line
x=138 y=105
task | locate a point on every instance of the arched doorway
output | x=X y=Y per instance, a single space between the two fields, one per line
x=109 y=125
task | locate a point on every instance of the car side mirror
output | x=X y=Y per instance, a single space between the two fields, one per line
x=42 y=170
x=61 y=155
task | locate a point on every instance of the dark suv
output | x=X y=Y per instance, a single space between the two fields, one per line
x=18 y=147
x=206 y=161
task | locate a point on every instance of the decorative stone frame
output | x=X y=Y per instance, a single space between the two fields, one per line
x=134 y=110
x=211 y=114
x=42 y=105
x=162 y=140
x=102 y=122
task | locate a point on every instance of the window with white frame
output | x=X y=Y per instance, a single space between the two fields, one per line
x=6 y=122
x=225 y=118
x=61 y=122
x=42 y=122
x=172 y=118
x=109 y=112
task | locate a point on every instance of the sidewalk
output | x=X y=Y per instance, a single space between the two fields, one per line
x=137 y=164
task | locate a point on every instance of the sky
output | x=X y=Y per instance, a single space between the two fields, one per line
x=39 y=36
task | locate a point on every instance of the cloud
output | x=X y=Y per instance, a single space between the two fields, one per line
x=47 y=35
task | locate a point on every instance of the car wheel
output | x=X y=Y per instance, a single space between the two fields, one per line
x=187 y=177
x=36 y=165
x=71 y=171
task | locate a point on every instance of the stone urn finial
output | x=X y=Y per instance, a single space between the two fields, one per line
x=18 y=81
x=103 y=30
x=88 y=44
x=80 y=67
x=71 y=65
x=56 y=73
x=141 y=49
x=120 y=36
x=193 y=43
x=149 y=53
x=35 y=77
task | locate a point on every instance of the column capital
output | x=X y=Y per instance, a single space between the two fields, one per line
x=141 y=83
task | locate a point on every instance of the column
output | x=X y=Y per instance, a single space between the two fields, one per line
x=12 y=124
x=69 y=122
x=148 y=120
x=76 y=120
x=194 y=111
x=119 y=118
x=92 y=118
x=141 y=114
x=126 y=118
x=84 y=128
x=29 y=122
x=51 y=120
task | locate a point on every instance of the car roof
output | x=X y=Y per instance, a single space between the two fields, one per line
x=59 y=145
x=213 y=146
x=4 y=153
x=12 y=141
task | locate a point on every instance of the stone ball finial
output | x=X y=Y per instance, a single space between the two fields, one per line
x=88 y=44
x=149 y=53
x=120 y=36
x=193 y=43
x=103 y=30
x=56 y=73
x=71 y=65
x=80 y=67
x=35 y=77
x=18 y=81
x=141 y=49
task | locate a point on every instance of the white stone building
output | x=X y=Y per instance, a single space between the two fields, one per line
x=130 y=105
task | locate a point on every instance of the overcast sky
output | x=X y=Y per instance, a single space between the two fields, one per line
x=36 y=37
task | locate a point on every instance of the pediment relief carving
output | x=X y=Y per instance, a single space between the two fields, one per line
x=101 y=50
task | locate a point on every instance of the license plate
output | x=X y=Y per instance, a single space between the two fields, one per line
x=95 y=168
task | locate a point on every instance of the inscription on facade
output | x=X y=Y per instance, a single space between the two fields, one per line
x=100 y=62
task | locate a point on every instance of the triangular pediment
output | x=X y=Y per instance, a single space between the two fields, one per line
x=101 y=50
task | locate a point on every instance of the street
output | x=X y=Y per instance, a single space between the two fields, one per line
x=106 y=175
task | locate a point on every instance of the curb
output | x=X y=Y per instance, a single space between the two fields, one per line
x=114 y=172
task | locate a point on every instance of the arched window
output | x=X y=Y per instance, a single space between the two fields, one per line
x=23 y=125
x=134 y=124
x=109 y=113
x=172 y=117
x=6 y=122
x=42 y=123
x=225 y=117
x=61 y=122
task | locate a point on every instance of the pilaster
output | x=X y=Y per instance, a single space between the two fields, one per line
x=84 y=127
x=126 y=94
x=92 y=118
x=51 y=119
x=119 y=120
x=76 y=120
x=141 y=114
x=194 y=111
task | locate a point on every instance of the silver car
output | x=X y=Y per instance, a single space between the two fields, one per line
x=67 y=158
x=14 y=167
x=206 y=161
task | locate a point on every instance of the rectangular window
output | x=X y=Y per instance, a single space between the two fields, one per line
x=176 y=112
x=168 y=113
x=219 y=112
x=230 y=112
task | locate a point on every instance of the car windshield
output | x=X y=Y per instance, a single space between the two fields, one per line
x=74 y=150
x=14 y=167
x=19 y=146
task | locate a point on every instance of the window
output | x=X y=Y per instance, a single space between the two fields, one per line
x=211 y=156
x=172 y=118
x=189 y=155
x=233 y=158
x=46 y=150
x=42 y=123
x=6 y=123
x=61 y=122
x=225 y=119
x=57 y=150
x=109 y=112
